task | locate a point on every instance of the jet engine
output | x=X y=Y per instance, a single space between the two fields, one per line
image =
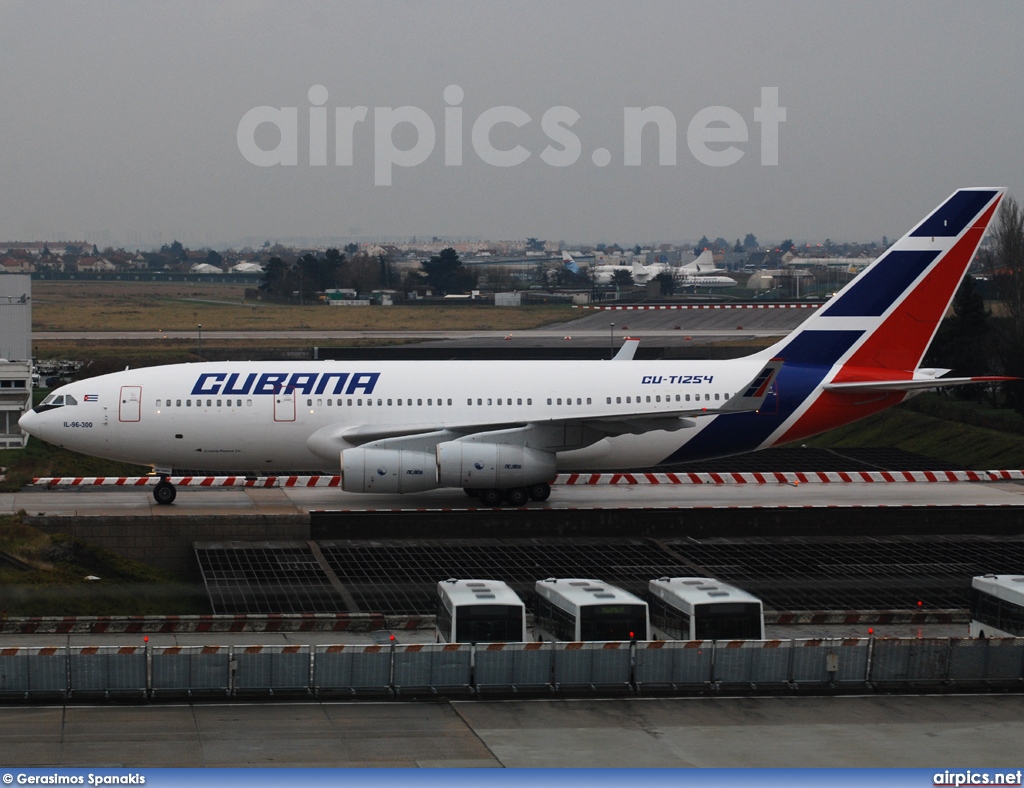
x=387 y=471
x=481 y=465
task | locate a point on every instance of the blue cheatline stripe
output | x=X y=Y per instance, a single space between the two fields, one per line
x=878 y=288
x=950 y=219
x=806 y=361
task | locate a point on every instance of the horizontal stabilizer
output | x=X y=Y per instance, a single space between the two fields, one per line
x=919 y=384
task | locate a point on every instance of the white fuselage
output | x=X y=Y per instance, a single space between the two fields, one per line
x=274 y=416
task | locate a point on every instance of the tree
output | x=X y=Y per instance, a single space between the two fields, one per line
x=535 y=245
x=175 y=250
x=964 y=342
x=572 y=280
x=667 y=282
x=786 y=245
x=363 y=273
x=622 y=279
x=737 y=247
x=1006 y=263
x=214 y=258
x=704 y=242
x=388 y=274
x=351 y=249
x=445 y=272
x=275 y=277
x=750 y=241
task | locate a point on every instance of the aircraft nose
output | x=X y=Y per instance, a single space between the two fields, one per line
x=30 y=423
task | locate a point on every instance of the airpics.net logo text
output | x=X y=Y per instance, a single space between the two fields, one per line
x=713 y=135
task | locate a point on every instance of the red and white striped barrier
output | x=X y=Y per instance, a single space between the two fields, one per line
x=801 y=477
x=874 y=617
x=653 y=308
x=188 y=481
x=343 y=648
x=114 y=625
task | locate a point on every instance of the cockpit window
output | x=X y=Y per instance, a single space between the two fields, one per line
x=55 y=401
x=52 y=401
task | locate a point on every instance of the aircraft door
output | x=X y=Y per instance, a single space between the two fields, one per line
x=130 y=408
x=284 y=405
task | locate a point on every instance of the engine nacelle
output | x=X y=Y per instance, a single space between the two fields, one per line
x=492 y=465
x=387 y=471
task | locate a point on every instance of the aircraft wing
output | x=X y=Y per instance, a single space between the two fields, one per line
x=554 y=434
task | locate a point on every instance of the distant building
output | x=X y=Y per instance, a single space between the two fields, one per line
x=15 y=357
x=95 y=265
x=205 y=268
x=246 y=268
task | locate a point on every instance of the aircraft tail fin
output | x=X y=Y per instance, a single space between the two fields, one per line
x=705 y=262
x=885 y=319
x=569 y=263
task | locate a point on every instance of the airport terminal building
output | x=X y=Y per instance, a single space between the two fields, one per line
x=15 y=357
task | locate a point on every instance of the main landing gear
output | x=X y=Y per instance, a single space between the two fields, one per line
x=513 y=496
x=164 y=492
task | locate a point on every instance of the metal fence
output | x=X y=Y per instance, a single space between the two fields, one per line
x=395 y=670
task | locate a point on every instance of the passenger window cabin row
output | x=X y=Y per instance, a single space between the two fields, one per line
x=408 y=402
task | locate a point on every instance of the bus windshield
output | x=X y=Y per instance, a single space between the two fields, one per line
x=488 y=624
x=613 y=622
x=728 y=621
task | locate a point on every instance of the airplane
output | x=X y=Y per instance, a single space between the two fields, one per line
x=697 y=273
x=502 y=429
x=603 y=274
x=702 y=264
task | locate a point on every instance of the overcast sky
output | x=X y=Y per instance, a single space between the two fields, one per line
x=120 y=122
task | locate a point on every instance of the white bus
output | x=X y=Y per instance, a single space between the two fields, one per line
x=701 y=608
x=479 y=611
x=576 y=609
x=997 y=606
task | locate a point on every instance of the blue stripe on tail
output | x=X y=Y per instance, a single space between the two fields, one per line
x=953 y=216
x=871 y=294
x=806 y=361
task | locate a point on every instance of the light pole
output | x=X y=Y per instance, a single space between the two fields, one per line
x=200 y=327
x=611 y=340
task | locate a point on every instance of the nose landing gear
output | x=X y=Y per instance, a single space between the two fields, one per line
x=164 y=492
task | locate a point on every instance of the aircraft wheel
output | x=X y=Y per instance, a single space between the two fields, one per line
x=516 y=496
x=472 y=492
x=164 y=493
x=491 y=497
x=539 y=492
